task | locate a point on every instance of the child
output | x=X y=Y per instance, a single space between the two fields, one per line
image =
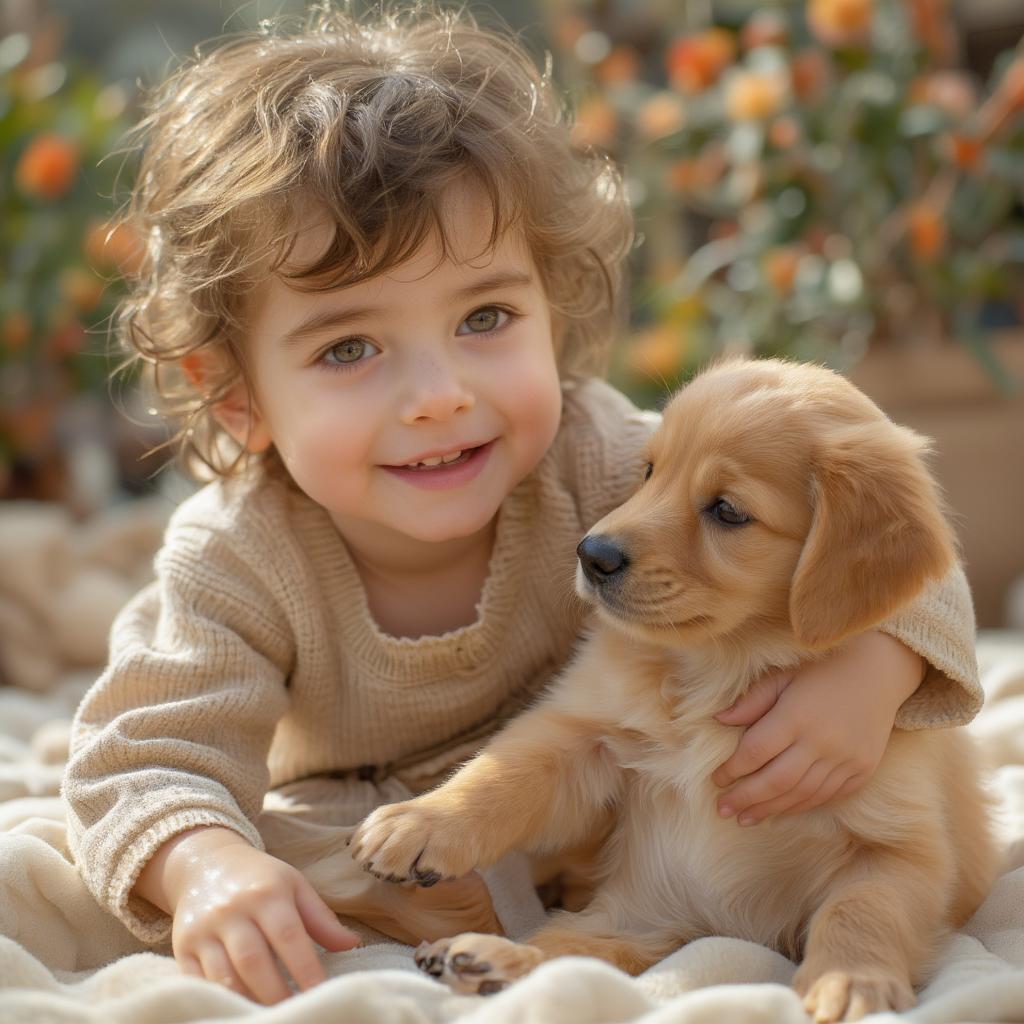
x=378 y=292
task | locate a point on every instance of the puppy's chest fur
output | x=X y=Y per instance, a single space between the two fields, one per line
x=672 y=859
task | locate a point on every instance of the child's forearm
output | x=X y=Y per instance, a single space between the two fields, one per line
x=161 y=879
x=904 y=667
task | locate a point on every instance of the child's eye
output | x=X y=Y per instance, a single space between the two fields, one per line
x=348 y=353
x=486 y=320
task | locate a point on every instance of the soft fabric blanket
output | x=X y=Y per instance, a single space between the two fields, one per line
x=63 y=959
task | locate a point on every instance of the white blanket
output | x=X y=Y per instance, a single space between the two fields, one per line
x=62 y=959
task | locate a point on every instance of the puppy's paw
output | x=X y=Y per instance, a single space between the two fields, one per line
x=477 y=964
x=850 y=995
x=414 y=841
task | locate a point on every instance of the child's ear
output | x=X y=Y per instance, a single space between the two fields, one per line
x=878 y=534
x=237 y=413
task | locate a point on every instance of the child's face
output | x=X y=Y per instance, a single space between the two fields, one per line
x=442 y=362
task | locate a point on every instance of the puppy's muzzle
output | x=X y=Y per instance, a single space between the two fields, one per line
x=602 y=560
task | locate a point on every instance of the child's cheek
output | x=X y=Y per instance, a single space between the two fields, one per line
x=533 y=401
x=327 y=448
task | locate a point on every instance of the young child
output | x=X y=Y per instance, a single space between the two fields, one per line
x=379 y=287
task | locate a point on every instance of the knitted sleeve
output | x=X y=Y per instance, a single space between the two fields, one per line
x=175 y=733
x=939 y=625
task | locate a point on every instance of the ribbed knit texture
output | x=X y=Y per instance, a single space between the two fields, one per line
x=252 y=660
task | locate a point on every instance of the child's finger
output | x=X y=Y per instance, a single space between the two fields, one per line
x=217 y=967
x=780 y=776
x=289 y=939
x=758 y=745
x=830 y=788
x=759 y=699
x=320 y=921
x=852 y=784
x=251 y=958
x=805 y=788
x=188 y=964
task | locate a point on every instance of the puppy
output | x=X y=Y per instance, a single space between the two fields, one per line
x=780 y=512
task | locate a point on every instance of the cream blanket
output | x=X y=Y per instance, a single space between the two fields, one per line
x=62 y=959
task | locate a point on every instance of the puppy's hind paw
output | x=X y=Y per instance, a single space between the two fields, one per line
x=851 y=995
x=474 y=964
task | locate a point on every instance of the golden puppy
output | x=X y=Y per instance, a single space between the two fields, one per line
x=780 y=513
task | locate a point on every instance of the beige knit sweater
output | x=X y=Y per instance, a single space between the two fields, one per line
x=252 y=660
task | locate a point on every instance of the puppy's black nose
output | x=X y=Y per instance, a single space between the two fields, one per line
x=601 y=559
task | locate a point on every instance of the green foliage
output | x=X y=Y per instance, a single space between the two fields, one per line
x=807 y=181
x=60 y=276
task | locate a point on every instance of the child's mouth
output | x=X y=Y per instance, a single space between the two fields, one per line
x=452 y=470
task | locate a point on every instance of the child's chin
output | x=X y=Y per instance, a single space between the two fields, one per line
x=445 y=528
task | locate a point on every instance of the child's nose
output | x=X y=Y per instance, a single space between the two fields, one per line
x=436 y=393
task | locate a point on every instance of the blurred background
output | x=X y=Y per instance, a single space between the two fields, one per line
x=831 y=180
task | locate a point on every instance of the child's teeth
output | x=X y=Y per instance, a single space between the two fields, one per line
x=437 y=460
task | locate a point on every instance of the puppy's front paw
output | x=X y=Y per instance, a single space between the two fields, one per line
x=850 y=995
x=414 y=841
x=477 y=964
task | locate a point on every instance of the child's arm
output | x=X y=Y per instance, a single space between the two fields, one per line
x=234 y=907
x=175 y=733
x=820 y=732
x=817 y=732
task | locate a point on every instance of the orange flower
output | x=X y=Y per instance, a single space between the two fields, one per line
x=114 y=247
x=765 y=28
x=809 y=72
x=656 y=353
x=966 y=151
x=661 y=115
x=784 y=132
x=933 y=26
x=696 y=61
x=621 y=65
x=699 y=173
x=48 y=167
x=81 y=288
x=568 y=30
x=779 y=266
x=926 y=230
x=840 y=22
x=683 y=175
x=31 y=426
x=719 y=229
x=67 y=340
x=755 y=95
x=15 y=331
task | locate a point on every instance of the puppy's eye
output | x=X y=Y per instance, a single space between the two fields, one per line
x=648 y=470
x=727 y=513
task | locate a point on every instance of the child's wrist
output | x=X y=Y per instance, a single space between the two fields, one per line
x=901 y=668
x=162 y=880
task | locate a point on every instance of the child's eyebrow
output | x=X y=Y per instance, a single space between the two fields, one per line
x=337 y=317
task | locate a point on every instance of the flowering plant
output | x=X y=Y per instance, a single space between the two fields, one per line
x=808 y=181
x=60 y=266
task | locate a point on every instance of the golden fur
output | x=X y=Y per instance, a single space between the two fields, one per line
x=847 y=526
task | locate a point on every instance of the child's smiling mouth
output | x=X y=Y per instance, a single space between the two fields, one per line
x=440 y=471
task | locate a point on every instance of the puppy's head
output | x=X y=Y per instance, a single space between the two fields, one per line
x=776 y=499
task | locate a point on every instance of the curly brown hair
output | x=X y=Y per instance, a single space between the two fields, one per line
x=373 y=118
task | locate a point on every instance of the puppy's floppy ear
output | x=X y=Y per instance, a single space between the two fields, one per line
x=878 y=533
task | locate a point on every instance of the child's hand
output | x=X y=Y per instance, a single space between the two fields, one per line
x=235 y=906
x=818 y=732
